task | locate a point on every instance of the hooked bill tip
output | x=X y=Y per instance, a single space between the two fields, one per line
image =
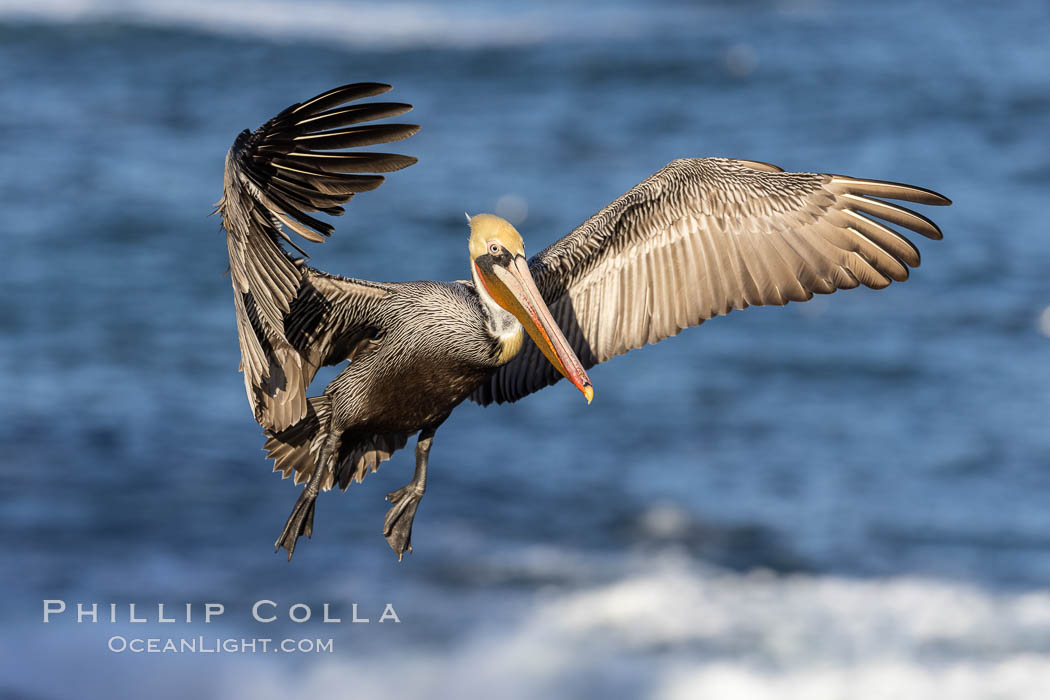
x=588 y=393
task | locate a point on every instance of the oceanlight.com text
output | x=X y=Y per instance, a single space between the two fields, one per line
x=218 y=645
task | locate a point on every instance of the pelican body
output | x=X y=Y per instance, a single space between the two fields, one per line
x=697 y=239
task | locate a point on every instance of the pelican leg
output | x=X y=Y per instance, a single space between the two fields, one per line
x=398 y=526
x=301 y=520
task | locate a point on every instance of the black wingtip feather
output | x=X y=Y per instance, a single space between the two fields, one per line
x=353 y=114
x=356 y=136
x=352 y=162
x=294 y=160
x=340 y=95
x=888 y=189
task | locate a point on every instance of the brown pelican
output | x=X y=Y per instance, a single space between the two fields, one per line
x=699 y=238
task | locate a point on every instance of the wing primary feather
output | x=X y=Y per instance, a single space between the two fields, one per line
x=360 y=183
x=338 y=96
x=280 y=205
x=298 y=199
x=895 y=214
x=889 y=190
x=899 y=246
x=345 y=116
x=317 y=200
x=303 y=231
x=351 y=162
x=844 y=235
x=882 y=261
x=357 y=136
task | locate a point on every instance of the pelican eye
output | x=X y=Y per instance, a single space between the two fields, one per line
x=495 y=249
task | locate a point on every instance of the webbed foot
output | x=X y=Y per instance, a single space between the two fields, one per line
x=300 y=522
x=398 y=526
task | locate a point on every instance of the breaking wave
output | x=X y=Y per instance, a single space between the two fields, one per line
x=664 y=628
x=373 y=25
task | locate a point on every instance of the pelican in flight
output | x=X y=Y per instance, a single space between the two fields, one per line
x=699 y=238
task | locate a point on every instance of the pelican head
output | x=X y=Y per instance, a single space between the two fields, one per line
x=497 y=256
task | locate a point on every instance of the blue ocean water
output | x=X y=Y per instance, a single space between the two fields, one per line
x=840 y=499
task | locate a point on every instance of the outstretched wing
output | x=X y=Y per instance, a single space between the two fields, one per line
x=702 y=237
x=292 y=319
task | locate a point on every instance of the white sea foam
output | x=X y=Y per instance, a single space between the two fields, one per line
x=371 y=24
x=677 y=632
x=664 y=629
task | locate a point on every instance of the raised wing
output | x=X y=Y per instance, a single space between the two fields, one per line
x=702 y=237
x=292 y=319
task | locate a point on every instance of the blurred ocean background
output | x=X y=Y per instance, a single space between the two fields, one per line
x=845 y=499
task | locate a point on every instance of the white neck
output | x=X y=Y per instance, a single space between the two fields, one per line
x=501 y=323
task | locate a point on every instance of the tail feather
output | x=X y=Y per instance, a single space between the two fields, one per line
x=363 y=456
x=295 y=449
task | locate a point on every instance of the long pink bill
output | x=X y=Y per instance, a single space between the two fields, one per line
x=526 y=303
